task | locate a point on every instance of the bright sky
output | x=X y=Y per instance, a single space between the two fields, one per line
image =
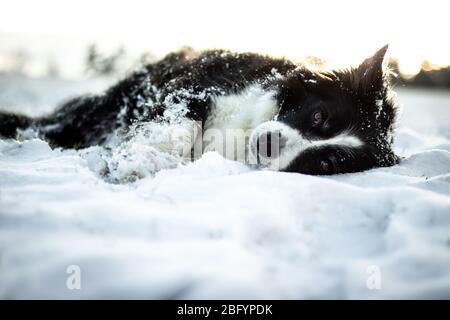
x=342 y=32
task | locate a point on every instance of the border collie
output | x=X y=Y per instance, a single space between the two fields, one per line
x=291 y=117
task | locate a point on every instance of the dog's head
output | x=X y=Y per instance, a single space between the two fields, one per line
x=331 y=122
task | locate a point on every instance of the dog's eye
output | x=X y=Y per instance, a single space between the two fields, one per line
x=326 y=166
x=318 y=118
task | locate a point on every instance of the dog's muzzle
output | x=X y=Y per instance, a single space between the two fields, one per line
x=267 y=144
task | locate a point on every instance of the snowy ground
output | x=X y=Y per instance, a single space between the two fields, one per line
x=217 y=229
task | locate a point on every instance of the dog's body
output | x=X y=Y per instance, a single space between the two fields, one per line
x=320 y=122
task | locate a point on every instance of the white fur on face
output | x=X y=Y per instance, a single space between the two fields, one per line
x=234 y=116
x=295 y=144
x=244 y=110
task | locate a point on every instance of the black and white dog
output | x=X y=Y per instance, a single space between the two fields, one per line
x=320 y=122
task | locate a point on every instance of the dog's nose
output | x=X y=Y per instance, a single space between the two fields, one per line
x=269 y=144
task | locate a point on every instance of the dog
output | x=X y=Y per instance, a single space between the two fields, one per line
x=306 y=120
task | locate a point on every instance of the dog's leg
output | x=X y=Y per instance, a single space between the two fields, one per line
x=10 y=123
x=81 y=122
x=184 y=139
x=148 y=148
x=177 y=139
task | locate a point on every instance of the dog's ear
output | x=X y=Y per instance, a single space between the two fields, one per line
x=370 y=74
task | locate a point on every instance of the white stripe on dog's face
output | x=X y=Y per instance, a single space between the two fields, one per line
x=244 y=110
x=294 y=144
x=234 y=116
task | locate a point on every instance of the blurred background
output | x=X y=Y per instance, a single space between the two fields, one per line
x=52 y=50
x=73 y=39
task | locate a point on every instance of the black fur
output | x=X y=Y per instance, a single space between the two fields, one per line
x=355 y=100
x=9 y=123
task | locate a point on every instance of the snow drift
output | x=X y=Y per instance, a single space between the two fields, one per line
x=218 y=229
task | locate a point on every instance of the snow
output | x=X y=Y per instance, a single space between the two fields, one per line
x=215 y=228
